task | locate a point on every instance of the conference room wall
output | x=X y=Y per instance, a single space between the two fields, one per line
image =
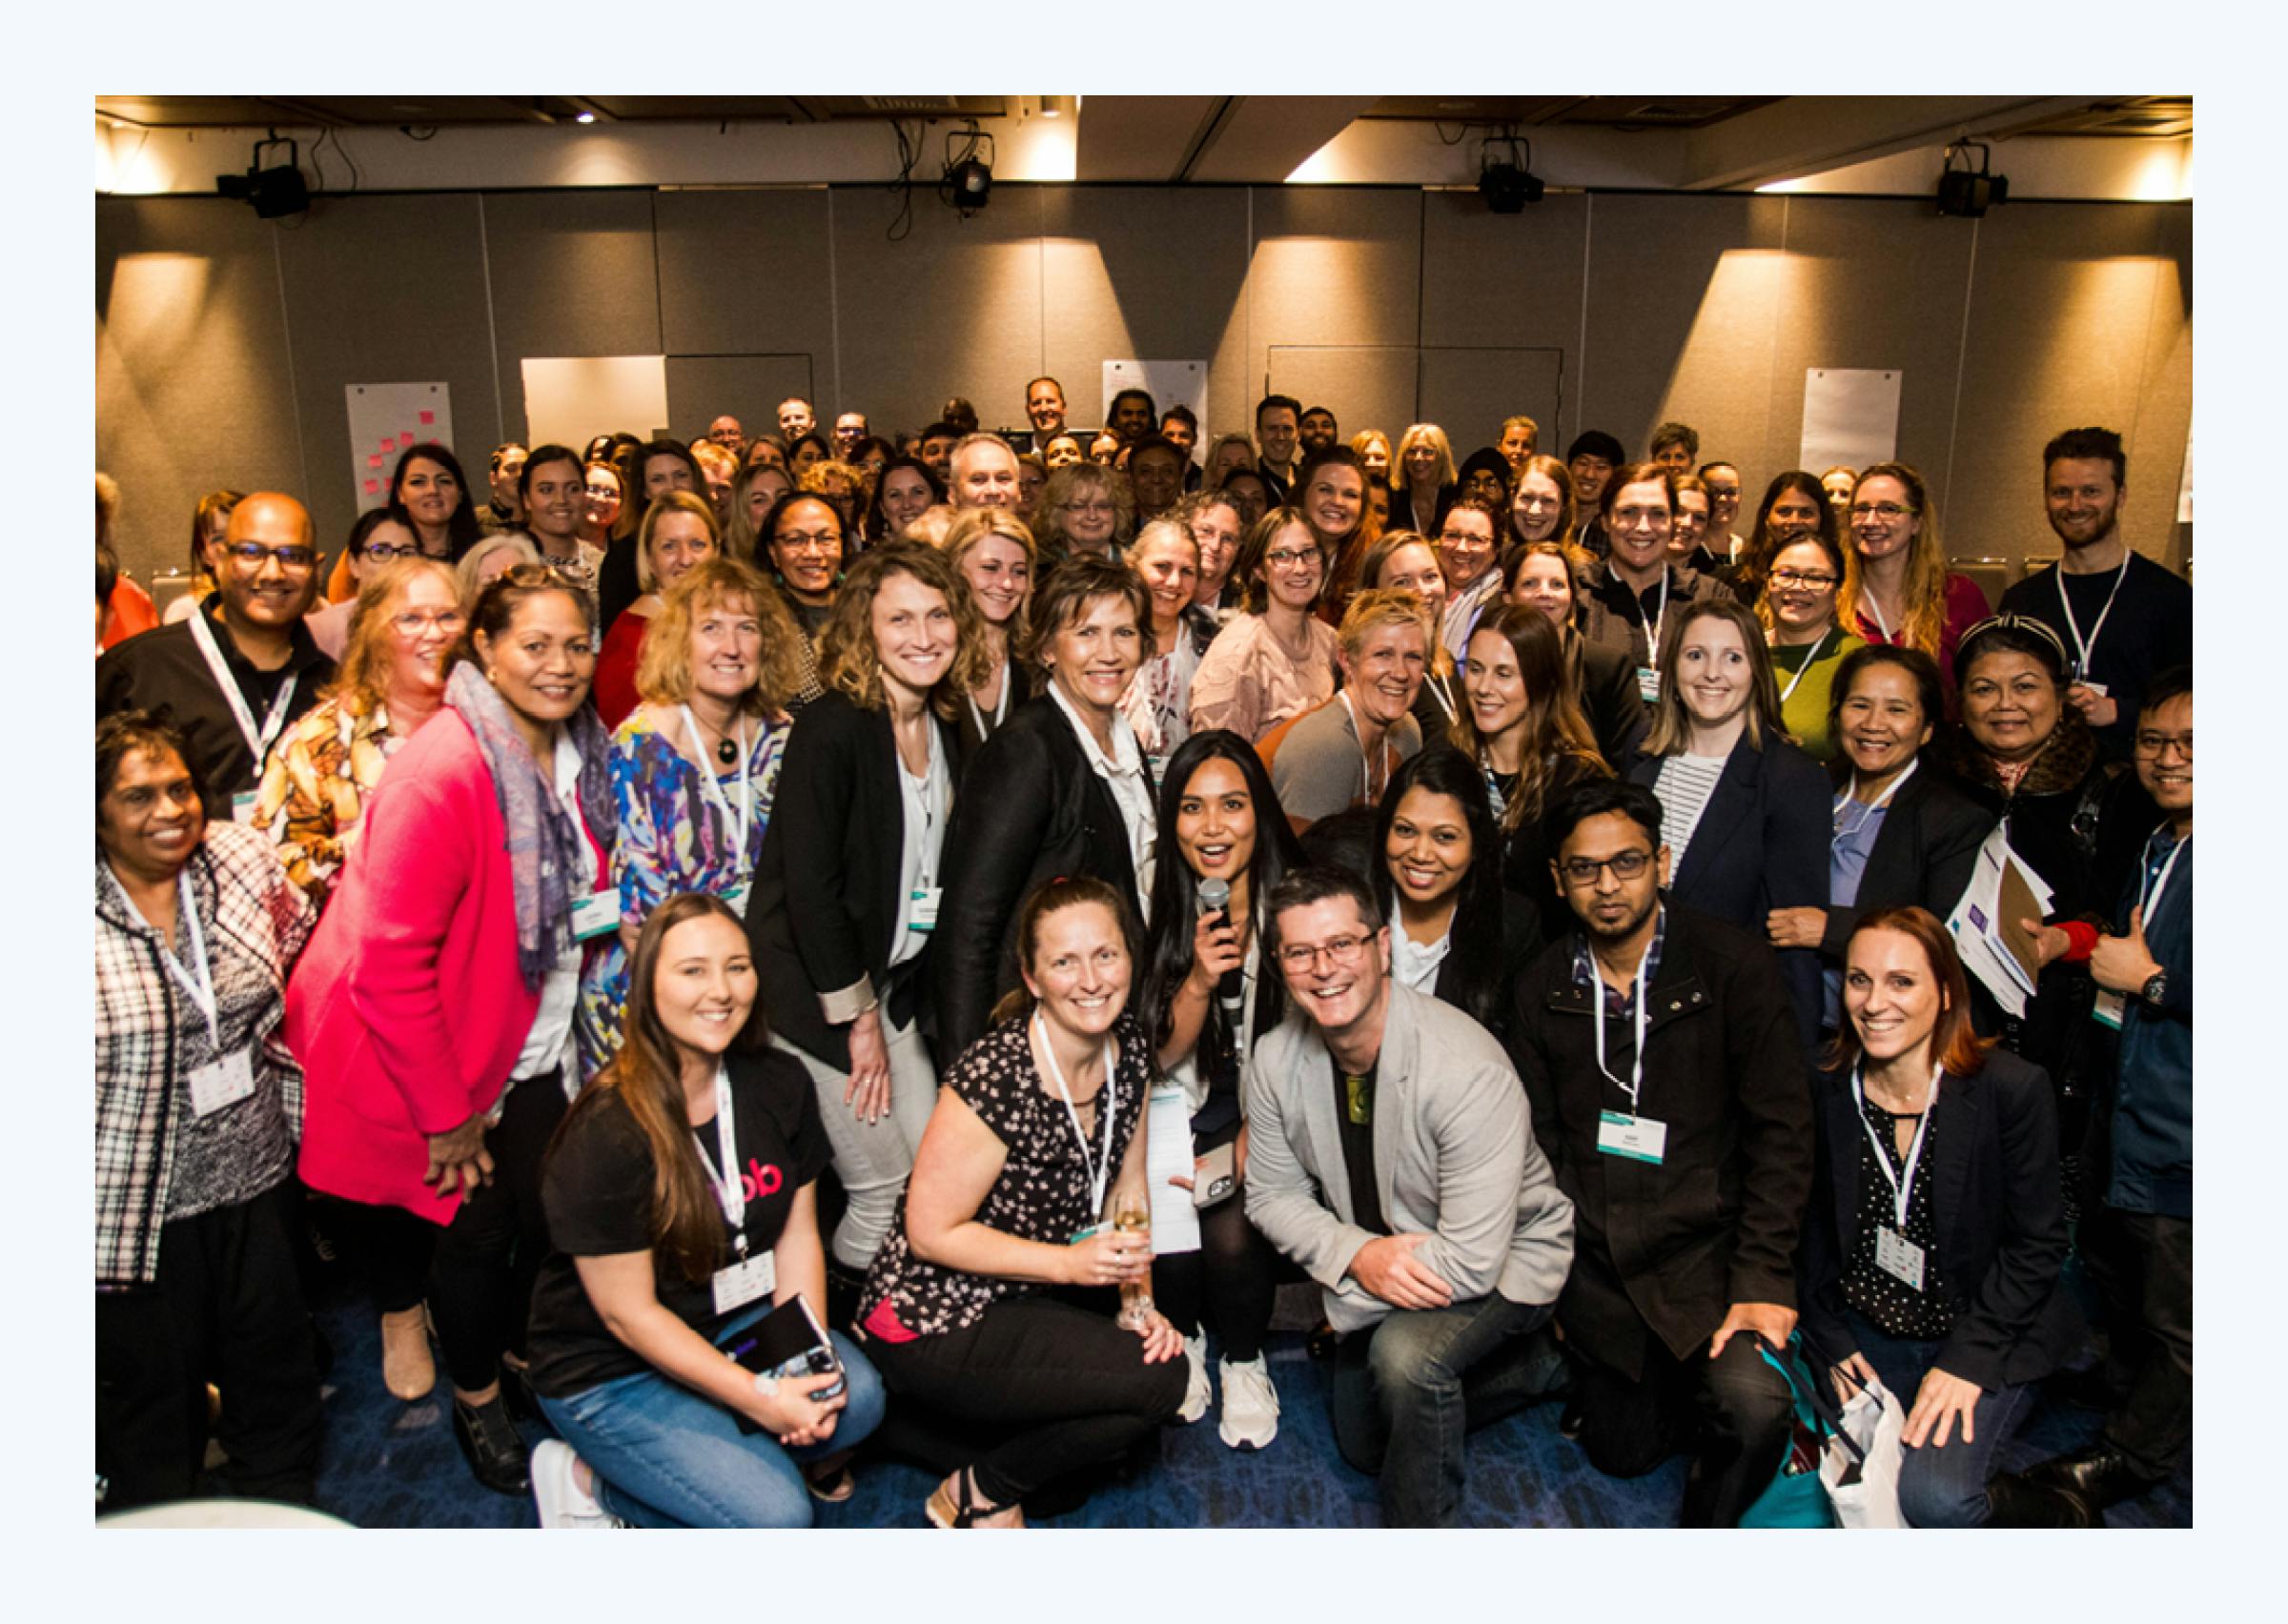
x=224 y=341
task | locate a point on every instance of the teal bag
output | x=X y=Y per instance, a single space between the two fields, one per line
x=1796 y=1497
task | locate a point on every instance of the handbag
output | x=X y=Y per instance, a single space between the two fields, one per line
x=1796 y=1497
x=1862 y=1479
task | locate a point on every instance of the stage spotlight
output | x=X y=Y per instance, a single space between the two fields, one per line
x=1507 y=184
x=968 y=182
x=275 y=192
x=1967 y=193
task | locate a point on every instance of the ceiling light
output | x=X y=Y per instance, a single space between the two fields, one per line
x=584 y=118
x=275 y=192
x=968 y=179
x=1967 y=193
x=1507 y=184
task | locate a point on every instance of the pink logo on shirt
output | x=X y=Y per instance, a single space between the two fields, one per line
x=762 y=1179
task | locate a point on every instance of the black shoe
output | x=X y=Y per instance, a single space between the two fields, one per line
x=496 y=1454
x=2019 y=1502
x=2098 y=1474
x=515 y=1391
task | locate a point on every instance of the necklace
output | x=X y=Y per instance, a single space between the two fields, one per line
x=727 y=747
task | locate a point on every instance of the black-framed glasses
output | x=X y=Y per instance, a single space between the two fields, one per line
x=1302 y=956
x=249 y=554
x=1626 y=865
x=2154 y=745
x=1790 y=580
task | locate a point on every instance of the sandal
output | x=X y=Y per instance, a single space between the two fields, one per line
x=943 y=1511
x=832 y=1487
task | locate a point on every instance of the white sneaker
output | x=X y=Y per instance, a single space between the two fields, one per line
x=1197 y=1394
x=1251 y=1405
x=556 y=1488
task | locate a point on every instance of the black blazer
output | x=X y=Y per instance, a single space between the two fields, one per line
x=1520 y=940
x=1997 y=1200
x=1923 y=856
x=1031 y=810
x=1663 y=1250
x=824 y=909
x=1610 y=698
x=1761 y=843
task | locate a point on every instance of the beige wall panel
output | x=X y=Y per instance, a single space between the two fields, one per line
x=1685 y=295
x=362 y=310
x=1507 y=282
x=192 y=387
x=1335 y=268
x=573 y=273
x=2062 y=312
x=954 y=308
x=1155 y=273
x=746 y=274
x=1468 y=392
x=2165 y=404
x=1868 y=283
x=1364 y=385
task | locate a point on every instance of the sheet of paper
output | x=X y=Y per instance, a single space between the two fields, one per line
x=1167 y=1155
x=383 y=420
x=1169 y=383
x=1985 y=924
x=1850 y=416
x=570 y=398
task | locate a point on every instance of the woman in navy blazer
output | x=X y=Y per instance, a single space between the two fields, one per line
x=841 y=917
x=1757 y=839
x=1956 y=1306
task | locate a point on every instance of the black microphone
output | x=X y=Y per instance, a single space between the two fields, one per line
x=1215 y=898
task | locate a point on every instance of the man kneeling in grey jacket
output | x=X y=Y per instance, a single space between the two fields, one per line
x=1392 y=1155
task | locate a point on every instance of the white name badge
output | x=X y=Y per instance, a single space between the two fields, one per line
x=745 y=1281
x=1639 y=1138
x=2110 y=1009
x=2099 y=689
x=925 y=899
x=1649 y=684
x=735 y=898
x=594 y=914
x=225 y=1083
x=242 y=806
x=1899 y=1257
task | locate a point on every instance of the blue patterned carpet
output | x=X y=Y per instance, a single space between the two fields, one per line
x=392 y=1465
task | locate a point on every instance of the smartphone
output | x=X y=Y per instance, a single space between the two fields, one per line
x=1213 y=1176
x=788 y=1342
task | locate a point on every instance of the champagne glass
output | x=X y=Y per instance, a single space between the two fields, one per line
x=1131 y=1215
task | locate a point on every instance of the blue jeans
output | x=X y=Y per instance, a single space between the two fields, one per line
x=1942 y=1486
x=1407 y=1391
x=666 y=1457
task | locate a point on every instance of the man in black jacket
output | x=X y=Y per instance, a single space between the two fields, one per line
x=1659 y=1051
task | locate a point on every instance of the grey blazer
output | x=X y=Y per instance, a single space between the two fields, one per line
x=1455 y=1158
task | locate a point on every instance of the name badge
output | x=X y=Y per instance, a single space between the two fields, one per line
x=2099 y=689
x=242 y=806
x=1639 y=1138
x=924 y=914
x=1080 y=1235
x=745 y=1281
x=1649 y=684
x=1899 y=1257
x=2111 y=1009
x=225 y=1083
x=594 y=914
x=735 y=898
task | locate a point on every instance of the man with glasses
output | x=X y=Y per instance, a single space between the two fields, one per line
x=728 y=433
x=1392 y=1155
x=237 y=673
x=2121 y=615
x=1659 y=1049
x=850 y=428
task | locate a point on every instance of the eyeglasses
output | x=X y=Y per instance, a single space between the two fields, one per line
x=795 y=541
x=1581 y=871
x=248 y=556
x=2155 y=746
x=413 y=622
x=1449 y=539
x=1879 y=510
x=388 y=550
x=1342 y=950
x=1289 y=558
x=1788 y=581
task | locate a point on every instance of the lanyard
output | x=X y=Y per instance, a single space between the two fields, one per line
x=1652 y=634
x=2086 y=649
x=1493 y=786
x=1442 y=689
x=1366 y=758
x=257 y=740
x=1099 y=1172
x=745 y=820
x=731 y=1191
x=198 y=988
x=1902 y=1185
x=1636 y=1066
x=1000 y=704
x=1880 y=801
x=1803 y=670
x=1882 y=626
x=2149 y=891
x=922 y=803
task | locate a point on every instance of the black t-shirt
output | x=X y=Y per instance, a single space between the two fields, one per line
x=597 y=1191
x=2148 y=630
x=1355 y=1117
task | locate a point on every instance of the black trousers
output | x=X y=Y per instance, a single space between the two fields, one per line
x=488 y=1258
x=227 y=1307
x=1732 y=1412
x=2142 y=1264
x=1233 y=1276
x=1071 y=1385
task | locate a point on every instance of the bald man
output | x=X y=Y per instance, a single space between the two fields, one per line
x=984 y=472
x=728 y=433
x=236 y=674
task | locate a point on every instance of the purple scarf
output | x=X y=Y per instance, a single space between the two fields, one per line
x=544 y=843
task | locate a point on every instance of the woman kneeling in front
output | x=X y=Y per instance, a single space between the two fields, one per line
x=681 y=1203
x=1039 y=1120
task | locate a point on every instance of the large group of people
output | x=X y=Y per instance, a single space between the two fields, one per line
x=679 y=901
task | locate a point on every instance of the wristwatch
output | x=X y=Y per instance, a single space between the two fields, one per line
x=2155 y=988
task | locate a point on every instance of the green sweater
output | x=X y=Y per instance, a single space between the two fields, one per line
x=1804 y=707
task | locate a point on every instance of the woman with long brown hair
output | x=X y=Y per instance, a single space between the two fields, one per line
x=682 y=1197
x=1897 y=586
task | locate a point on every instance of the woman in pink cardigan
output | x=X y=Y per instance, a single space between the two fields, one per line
x=433 y=1010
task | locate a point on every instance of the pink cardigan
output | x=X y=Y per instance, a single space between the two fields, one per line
x=407 y=1011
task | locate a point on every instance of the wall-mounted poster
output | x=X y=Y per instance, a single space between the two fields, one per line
x=385 y=419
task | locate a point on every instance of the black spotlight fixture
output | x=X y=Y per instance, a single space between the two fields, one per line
x=969 y=183
x=1507 y=184
x=275 y=192
x=1966 y=192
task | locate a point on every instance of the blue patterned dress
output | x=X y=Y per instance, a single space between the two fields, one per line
x=671 y=839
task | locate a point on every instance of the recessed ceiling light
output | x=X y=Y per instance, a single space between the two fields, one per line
x=583 y=118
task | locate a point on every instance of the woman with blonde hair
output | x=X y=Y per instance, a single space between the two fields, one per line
x=753 y=494
x=678 y=532
x=1404 y=562
x=1230 y=454
x=846 y=488
x=494 y=555
x=1897 y=586
x=1373 y=447
x=1422 y=480
x=1541 y=503
x=992 y=550
x=1085 y=508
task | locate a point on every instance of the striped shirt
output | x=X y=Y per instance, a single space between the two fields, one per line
x=1684 y=787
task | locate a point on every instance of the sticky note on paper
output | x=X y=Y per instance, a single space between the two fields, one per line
x=428 y=418
x=389 y=442
x=372 y=487
x=375 y=460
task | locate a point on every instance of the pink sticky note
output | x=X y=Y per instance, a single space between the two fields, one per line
x=375 y=460
x=405 y=438
x=427 y=418
x=372 y=487
x=389 y=442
